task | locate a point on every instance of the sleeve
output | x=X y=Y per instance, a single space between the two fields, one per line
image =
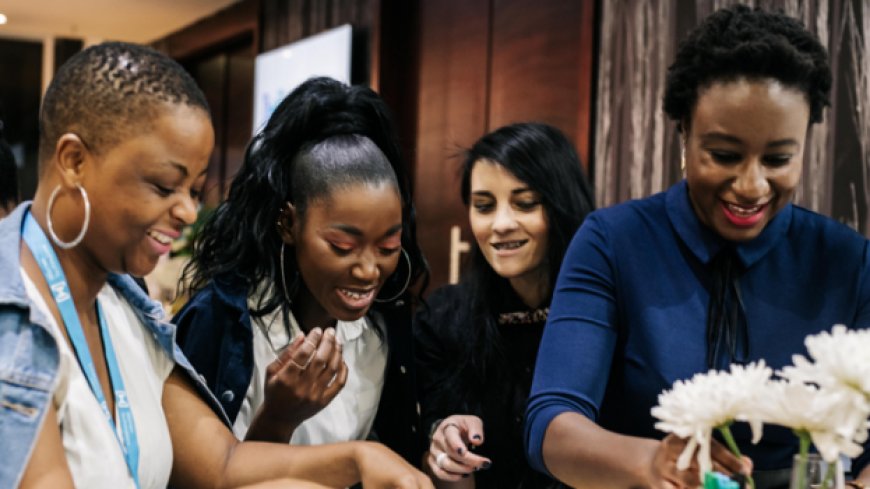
x=577 y=347
x=198 y=334
x=862 y=320
x=433 y=359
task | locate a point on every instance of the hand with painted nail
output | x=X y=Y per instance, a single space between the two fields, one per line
x=304 y=378
x=450 y=457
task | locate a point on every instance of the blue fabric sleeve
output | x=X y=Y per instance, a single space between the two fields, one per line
x=577 y=348
x=862 y=320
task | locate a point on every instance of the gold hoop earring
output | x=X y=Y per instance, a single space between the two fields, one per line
x=78 y=239
x=407 y=280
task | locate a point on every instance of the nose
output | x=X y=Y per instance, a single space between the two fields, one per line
x=504 y=220
x=751 y=182
x=366 y=268
x=185 y=210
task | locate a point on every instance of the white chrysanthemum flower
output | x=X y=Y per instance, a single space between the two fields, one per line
x=693 y=408
x=840 y=359
x=836 y=419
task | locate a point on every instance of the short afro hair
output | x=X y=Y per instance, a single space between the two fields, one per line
x=105 y=92
x=740 y=42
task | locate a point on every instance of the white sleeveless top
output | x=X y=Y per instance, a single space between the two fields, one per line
x=351 y=413
x=92 y=451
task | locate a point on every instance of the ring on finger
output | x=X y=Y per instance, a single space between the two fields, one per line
x=296 y=364
x=439 y=460
x=448 y=425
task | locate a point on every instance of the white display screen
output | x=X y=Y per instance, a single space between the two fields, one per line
x=279 y=71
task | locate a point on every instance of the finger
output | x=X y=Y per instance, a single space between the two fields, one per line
x=442 y=473
x=303 y=354
x=286 y=353
x=337 y=383
x=454 y=443
x=323 y=356
x=473 y=429
x=729 y=462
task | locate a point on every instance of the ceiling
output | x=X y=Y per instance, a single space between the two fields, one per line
x=138 y=21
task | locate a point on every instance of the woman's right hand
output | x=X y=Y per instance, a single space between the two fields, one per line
x=450 y=457
x=305 y=377
x=381 y=468
x=664 y=472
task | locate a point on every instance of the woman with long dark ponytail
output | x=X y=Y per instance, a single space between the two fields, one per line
x=477 y=341
x=302 y=278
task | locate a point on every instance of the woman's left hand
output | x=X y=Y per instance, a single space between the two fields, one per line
x=450 y=457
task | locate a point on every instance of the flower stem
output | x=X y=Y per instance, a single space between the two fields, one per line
x=828 y=481
x=725 y=430
x=803 y=454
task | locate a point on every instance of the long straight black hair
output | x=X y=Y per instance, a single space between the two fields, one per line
x=241 y=239
x=542 y=157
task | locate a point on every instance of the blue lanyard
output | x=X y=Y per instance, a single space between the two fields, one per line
x=53 y=273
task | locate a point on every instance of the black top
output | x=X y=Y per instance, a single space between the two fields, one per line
x=450 y=384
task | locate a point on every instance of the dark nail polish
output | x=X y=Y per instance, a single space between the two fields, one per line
x=465 y=476
x=460 y=451
x=476 y=437
x=485 y=465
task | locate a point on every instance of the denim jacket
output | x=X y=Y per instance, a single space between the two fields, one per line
x=29 y=355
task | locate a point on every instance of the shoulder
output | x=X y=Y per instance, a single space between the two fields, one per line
x=630 y=217
x=823 y=235
x=445 y=301
x=220 y=299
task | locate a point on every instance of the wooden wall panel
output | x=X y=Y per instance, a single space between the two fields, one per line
x=542 y=65
x=454 y=36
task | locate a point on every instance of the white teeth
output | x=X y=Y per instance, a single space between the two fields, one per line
x=356 y=295
x=160 y=237
x=743 y=210
x=508 y=245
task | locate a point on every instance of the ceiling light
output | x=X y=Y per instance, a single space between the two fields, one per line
x=2 y=19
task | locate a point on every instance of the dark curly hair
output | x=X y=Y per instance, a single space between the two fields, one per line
x=293 y=160
x=105 y=92
x=740 y=42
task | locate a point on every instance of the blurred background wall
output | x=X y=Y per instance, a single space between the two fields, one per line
x=452 y=70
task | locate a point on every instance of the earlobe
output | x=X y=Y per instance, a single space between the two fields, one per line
x=286 y=223
x=70 y=154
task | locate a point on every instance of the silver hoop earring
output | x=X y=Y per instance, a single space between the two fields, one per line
x=407 y=280
x=284 y=278
x=78 y=239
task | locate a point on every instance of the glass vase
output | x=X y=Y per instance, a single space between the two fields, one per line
x=814 y=473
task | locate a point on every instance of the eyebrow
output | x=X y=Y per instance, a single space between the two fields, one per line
x=719 y=136
x=183 y=169
x=487 y=193
x=353 y=231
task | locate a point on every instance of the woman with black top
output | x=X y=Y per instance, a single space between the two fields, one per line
x=476 y=342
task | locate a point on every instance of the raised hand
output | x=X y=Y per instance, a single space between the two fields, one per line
x=449 y=457
x=304 y=378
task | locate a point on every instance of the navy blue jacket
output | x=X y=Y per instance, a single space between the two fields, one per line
x=214 y=331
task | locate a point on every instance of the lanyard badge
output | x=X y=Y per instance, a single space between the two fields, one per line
x=57 y=283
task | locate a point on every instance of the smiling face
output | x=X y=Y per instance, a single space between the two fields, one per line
x=145 y=189
x=508 y=222
x=744 y=154
x=347 y=245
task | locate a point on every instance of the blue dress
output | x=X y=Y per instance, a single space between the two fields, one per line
x=629 y=312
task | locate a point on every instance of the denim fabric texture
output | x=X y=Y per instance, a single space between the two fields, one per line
x=29 y=354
